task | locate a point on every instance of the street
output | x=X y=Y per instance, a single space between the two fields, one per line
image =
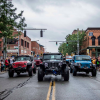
x=23 y=87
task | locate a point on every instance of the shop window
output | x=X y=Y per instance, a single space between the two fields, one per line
x=93 y=40
x=99 y=40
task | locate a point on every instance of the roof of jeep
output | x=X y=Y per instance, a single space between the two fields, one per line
x=52 y=54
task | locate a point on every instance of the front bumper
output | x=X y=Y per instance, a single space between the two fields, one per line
x=85 y=69
x=20 y=69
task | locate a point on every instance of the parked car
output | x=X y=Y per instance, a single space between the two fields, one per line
x=22 y=64
x=68 y=60
x=82 y=63
x=53 y=63
x=37 y=61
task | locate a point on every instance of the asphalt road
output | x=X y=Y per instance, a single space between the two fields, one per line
x=23 y=87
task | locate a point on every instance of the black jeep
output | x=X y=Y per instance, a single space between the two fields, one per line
x=53 y=63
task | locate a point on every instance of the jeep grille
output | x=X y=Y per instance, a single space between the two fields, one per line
x=52 y=64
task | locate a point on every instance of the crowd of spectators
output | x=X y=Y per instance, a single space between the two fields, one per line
x=4 y=64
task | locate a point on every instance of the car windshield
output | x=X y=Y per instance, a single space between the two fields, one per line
x=36 y=58
x=51 y=57
x=22 y=58
x=82 y=58
x=69 y=57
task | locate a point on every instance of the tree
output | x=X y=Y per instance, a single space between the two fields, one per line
x=8 y=21
x=72 y=46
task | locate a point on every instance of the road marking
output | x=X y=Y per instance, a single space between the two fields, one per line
x=48 y=95
x=53 y=94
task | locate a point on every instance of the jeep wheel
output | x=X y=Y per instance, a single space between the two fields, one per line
x=30 y=72
x=66 y=74
x=74 y=72
x=34 y=70
x=18 y=73
x=94 y=72
x=40 y=74
x=11 y=73
x=70 y=70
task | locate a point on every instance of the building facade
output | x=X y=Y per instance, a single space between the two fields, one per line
x=92 y=44
x=36 y=48
x=12 y=45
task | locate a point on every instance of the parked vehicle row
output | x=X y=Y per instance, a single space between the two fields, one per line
x=52 y=63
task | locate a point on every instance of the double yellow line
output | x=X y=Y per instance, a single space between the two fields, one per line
x=53 y=91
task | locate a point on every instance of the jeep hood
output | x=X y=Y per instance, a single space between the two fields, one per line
x=16 y=62
x=83 y=62
x=52 y=61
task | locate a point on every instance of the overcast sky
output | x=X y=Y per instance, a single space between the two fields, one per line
x=59 y=17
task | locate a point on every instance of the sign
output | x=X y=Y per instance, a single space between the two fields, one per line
x=15 y=47
x=88 y=51
x=90 y=33
x=12 y=51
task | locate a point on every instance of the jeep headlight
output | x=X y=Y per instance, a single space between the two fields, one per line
x=79 y=64
x=60 y=64
x=46 y=64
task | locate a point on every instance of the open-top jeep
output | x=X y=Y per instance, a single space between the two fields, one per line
x=22 y=64
x=82 y=63
x=53 y=63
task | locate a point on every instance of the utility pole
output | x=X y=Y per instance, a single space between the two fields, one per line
x=77 y=42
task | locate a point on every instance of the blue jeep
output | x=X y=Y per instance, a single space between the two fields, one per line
x=82 y=63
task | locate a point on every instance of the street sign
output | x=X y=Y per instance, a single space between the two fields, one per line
x=15 y=47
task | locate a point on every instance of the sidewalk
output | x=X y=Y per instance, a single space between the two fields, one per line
x=3 y=72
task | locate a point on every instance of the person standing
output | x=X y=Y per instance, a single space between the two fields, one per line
x=2 y=65
x=7 y=63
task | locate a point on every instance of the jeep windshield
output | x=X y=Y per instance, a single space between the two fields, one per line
x=22 y=58
x=81 y=58
x=52 y=57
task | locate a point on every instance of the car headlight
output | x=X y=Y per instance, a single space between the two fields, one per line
x=77 y=64
x=24 y=63
x=60 y=64
x=46 y=64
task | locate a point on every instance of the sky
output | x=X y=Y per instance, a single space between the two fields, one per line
x=59 y=17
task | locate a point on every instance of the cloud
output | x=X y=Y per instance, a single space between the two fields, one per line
x=59 y=17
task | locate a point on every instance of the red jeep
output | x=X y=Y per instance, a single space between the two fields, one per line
x=37 y=61
x=22 y=64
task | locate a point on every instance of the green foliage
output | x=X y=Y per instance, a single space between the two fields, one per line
x=72 y=46
x=8 y=19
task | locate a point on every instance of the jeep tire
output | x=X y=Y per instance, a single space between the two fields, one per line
x=66 y=74
x=94 y=72
x=11 y=73
x=70 y=70
x=40 y=74
x=30 y=71
x=18 y=73
x=74 y=71
x=34 y=69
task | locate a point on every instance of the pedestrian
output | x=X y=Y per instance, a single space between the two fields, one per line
x=7 y=63
x=97 y=63
x=2 y=65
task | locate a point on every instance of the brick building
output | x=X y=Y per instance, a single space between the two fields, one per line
x=92 y=44
x=12 y=45
x=36 y=48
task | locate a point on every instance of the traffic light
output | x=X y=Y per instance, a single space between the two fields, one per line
x=25 y=33
x=56 y=43
x=41 y=33
x=67 y=43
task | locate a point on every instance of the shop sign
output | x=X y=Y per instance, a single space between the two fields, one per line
x=15 y=47
x=12 y=51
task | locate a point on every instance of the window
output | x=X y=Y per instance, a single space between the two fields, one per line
x=90 y=33
x=93 y=40
x=21 y=42
x=11 y=41
x=25 y=43
x=99 y=40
